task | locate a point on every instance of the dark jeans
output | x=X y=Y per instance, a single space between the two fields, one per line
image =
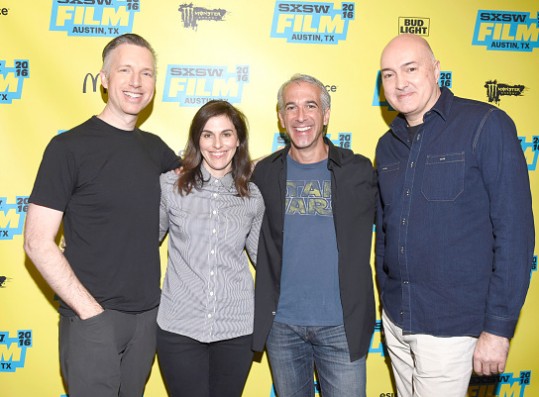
x=108 y=355
x=194 y=369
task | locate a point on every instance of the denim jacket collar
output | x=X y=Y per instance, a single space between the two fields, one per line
x=441 y=108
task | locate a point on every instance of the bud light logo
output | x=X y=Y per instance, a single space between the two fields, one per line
x=12 y=79
x=194 y=85
x=12 y=217
x=506 y=31
x=310 y=22
x=414 y=25
x=94 y=18
x=13 y=350
x=531 y=150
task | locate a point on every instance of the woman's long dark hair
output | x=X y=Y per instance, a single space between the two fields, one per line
x=191 y=174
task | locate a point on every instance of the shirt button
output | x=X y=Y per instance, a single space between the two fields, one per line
x=216 y=181
x=412 y=164
x=402 y=249
x=404 y=221
x=211 y=293
x=406 y=282
x=212 y=252
x=214 y=231
x=215 y=194
x=214 y=212
x=407 y=192
x=209 y=315
x=211 y=273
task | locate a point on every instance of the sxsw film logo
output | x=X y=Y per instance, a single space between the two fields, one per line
x=445 y=79
x=379 y=99
x=194 y=85
x=13 y=350
x=191 y=15
x=503 y=385
x=414 y=25
x=531 y=150
x=12 y=217
x=506 y=30
x=100 y=18
x=11 y=80
x=377 y=344
x=344 y=140
x=495 y=90
x=311 y=22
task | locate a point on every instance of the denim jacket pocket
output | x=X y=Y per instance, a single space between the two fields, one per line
x=387 y=177
x=443 y=179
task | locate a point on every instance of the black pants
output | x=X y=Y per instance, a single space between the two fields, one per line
x=194 y=369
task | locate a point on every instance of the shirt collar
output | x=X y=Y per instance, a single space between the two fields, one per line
x=333 y=154
x=442 y=107
x=226 y=181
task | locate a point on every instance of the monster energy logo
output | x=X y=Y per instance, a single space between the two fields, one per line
x=495 y=90
x=191 y=15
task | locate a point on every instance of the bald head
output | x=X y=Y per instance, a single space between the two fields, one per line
x=410 y=74
x=409 y=41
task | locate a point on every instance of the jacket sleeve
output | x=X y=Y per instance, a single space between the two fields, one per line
x=505 y=175
x=379 y=244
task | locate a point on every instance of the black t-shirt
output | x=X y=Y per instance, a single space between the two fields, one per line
x=106 y=181
x=412 y=131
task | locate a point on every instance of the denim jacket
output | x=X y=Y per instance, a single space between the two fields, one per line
x=455 y=233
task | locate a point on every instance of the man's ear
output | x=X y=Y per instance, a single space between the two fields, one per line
x=281 y=121
x=104 y=79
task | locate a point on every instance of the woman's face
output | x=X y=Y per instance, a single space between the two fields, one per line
x=218 y=144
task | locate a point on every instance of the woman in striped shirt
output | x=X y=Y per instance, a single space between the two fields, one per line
x=212 y=214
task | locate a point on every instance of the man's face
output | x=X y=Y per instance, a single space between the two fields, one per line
x=129 y=80
x=410 y=78
x=302 y=115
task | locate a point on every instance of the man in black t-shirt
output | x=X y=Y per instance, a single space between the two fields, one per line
x=101 y=179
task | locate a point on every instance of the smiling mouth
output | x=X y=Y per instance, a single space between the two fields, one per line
x=219 y=154
x=302 y=129
x=133 y=95
x=405 y=95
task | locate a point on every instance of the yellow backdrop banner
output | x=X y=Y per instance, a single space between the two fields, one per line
x=240 y=51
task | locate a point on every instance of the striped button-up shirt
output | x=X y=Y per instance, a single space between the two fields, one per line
x=208 y=291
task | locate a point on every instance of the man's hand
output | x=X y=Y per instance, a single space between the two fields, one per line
x=490 y=354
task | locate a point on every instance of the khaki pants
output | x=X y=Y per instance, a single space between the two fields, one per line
x=428 y=366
